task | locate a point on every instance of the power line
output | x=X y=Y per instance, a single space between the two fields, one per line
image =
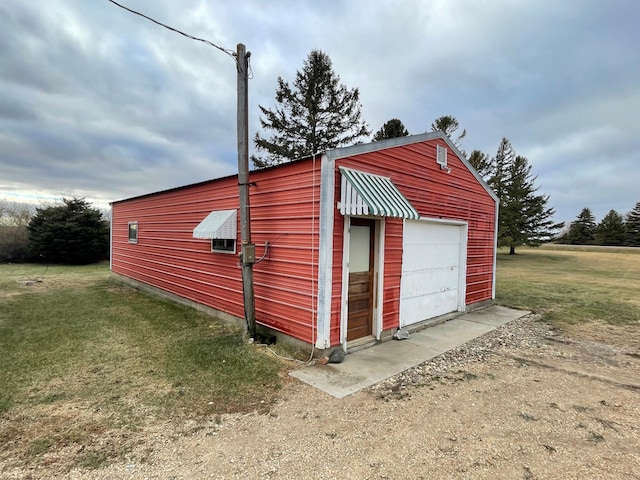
x=242 y=66
x=229 y=52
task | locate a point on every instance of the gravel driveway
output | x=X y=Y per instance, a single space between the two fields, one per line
x=519 y=402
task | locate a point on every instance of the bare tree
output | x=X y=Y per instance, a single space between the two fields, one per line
x=14 y=236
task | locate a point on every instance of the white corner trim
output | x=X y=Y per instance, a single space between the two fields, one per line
x=379 y=272
x=344 y=306
x=325 y=255
x=462 y=271
x=111 y=240
x=495 y=252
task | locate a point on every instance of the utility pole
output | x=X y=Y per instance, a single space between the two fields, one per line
x=248 y=251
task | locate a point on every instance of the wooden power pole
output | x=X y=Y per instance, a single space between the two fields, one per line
x=248 y=251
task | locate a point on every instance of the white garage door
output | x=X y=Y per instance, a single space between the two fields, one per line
x=433 y=268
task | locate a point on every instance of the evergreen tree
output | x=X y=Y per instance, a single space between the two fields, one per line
x=583 y=229
x=632 y=227
x=481 y=162
x=611 y=230
x=524 y=218
x=71 y=233
x=448 y=124
x=498 y=170
x=391 y=129
x=316 y=114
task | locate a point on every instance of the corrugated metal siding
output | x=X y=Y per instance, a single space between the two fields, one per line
x=392 y=273
x=436 y=194
x=284 y=211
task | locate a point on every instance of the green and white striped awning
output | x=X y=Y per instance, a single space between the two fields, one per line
x=218 y=224
x=367 y=194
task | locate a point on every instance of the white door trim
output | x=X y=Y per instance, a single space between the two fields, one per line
x=378 y=275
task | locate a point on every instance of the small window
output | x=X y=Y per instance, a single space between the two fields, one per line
x=441 y=156
x=133 y=232
x=225 y=245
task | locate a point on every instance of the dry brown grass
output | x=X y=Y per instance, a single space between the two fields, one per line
x=89 y=364
x=578 y=290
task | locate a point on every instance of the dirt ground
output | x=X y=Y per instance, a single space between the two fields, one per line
x=524 y=402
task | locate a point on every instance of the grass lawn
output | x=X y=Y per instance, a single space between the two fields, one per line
x=88 y=361
x=572 y=287
x=83 y=355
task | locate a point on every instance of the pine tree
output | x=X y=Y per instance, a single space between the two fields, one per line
x=611 y=230
x=632 y=225
x=391 y=129
x=71 y=233
x=316 y=114
x=481 y=162
x=583 y=229
x=524 y=218
x=448 y=124
x=498 y=169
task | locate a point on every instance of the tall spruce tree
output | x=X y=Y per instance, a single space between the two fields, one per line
x=632 y=227
x=391 y=129
x=583 y=229
x=611 y=230
x=524 y=218
x=498 y=171
x=481 y=162
x=316 y=114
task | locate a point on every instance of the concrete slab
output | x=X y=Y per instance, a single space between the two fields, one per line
x=369 y=366
x=495 y=315
x=449 y=335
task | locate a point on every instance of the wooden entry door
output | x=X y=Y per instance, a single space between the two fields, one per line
x=361 y=262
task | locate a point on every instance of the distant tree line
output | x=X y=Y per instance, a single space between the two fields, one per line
x=72 y=232
x=613 y=230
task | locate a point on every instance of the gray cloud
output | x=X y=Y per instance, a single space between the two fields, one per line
x=97 y=102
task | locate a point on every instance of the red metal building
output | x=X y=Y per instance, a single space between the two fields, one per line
x=352 y=244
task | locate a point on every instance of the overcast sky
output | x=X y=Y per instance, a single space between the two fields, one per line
x=99 y=103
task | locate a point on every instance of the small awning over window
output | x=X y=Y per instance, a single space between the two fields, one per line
x=367 y=194
x=218 y=224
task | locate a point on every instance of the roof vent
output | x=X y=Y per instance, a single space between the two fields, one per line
x=441 y=158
